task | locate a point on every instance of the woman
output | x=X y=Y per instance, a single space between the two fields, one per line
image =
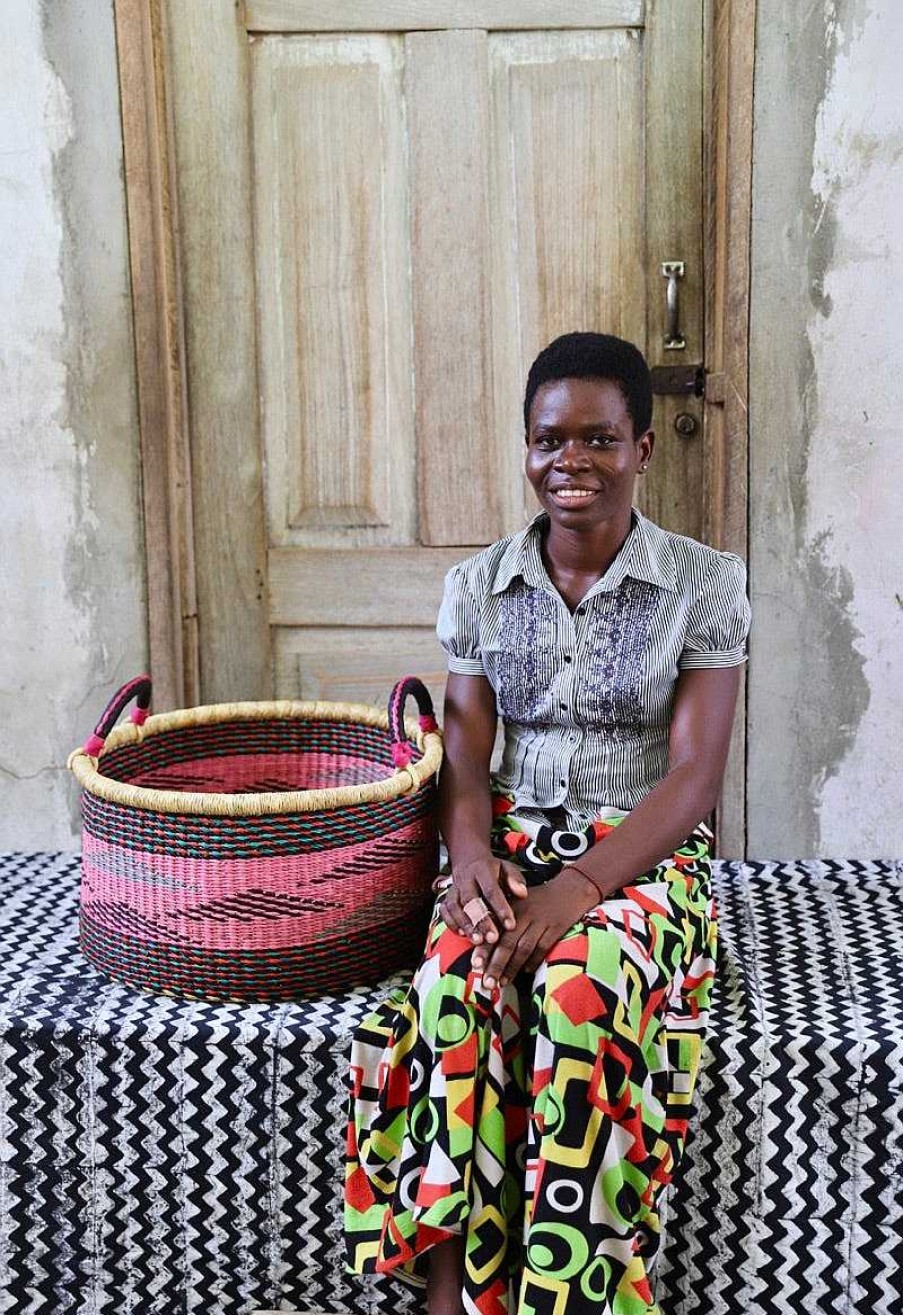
x=516 y=1114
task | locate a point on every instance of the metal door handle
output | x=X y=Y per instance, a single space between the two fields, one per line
x=673 y=270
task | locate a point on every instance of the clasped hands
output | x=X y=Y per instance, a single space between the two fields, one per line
x=511 y=925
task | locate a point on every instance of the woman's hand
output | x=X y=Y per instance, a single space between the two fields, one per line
x=476 y=904
x=482 y=881
x=541 y=920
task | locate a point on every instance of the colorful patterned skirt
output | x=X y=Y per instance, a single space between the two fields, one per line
x=541 y=1120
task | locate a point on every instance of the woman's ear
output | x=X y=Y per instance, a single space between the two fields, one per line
x=645 y=444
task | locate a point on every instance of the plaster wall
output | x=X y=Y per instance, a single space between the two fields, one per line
x=70 y=535
x=826 y=473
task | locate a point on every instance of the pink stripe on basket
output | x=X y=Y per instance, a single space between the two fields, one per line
x=254 y=773
x=160 y=889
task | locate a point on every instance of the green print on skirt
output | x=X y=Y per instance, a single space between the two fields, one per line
x=540 y=1120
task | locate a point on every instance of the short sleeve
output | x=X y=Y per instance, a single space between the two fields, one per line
x=458 y=626
x=719 y=617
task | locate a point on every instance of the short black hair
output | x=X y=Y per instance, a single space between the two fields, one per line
x=595 y=356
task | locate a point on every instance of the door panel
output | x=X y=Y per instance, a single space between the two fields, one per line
x=568 y=215
x=356 y=665
x=569 y=118
x=406 y=15
x=360 y=588
x=333 y=320
x=464 y=495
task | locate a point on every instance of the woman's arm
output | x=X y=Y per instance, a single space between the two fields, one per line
x=465 y=809
x=701 y=719
x=698 y=742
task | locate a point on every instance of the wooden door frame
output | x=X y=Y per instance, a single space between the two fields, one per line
x=157 y=316
x=730 y=57
x=160 y=347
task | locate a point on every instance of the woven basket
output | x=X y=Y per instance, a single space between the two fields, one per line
x=257 y=851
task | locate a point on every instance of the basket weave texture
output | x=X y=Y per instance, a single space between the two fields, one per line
x=258 y=851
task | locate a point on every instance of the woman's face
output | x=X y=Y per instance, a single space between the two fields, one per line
x=582 y=457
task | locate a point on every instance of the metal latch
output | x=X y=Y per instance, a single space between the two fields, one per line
x=683 y=380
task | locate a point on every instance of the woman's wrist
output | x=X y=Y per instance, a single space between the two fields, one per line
x=462 y=855
x=594 y=885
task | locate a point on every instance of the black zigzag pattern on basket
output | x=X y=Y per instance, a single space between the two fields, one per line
x=349 y=956
x=209 y=837
x=166 y=1155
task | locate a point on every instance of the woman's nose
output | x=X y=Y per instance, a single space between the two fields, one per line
x=572 y=455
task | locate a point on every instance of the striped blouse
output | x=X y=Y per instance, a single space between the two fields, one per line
x=586 y=698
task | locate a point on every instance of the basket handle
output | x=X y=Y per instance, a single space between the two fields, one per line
x=401 y=753
x=138 y=689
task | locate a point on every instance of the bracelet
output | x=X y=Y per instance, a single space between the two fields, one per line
x=575 y=867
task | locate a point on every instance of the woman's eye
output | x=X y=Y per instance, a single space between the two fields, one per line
x=601 y=440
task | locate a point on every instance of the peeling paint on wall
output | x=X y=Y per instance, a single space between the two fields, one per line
x=70 y=526
x=100 y=412
x=819 y=343
x=832 y=634
x=854 y=486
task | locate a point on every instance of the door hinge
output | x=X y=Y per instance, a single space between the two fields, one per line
x=683 y=380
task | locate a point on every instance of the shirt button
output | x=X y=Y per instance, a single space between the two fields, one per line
x=567 y=657
x=562 y=783
x=580 y=611
x=563 y=705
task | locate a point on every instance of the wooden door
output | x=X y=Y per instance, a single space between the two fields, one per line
x=377 y=231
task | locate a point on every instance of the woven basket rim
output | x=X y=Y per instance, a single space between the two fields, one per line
x=86 y=769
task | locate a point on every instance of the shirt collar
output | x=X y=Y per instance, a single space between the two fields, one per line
x=646 y=554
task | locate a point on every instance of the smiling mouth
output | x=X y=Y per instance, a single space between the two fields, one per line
x=572 y=497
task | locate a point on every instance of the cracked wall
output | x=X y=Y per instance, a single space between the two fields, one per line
x=826 y=462
x=70 y=532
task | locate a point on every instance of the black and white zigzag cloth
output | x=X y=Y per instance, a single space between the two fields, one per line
x=159 y=1156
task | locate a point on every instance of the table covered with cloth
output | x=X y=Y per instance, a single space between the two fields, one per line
x=163 y=1156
